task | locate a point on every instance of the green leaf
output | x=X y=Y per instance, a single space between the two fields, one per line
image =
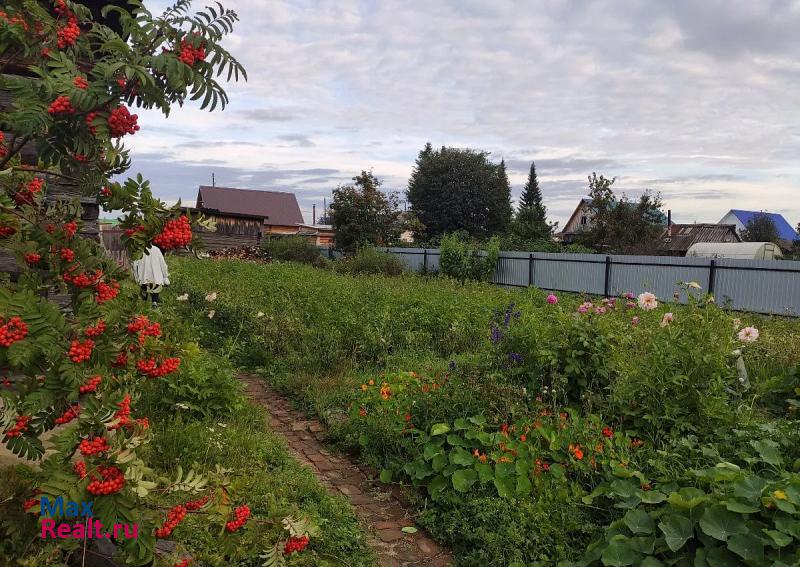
x=439 y=462
x=505 y=486
x=651 y=562
x=386 y=476
x=618 y=553
x=639 y=522
x=463 y=479
x=741 y=507
x=721 y=524
x=747 y=546
x=460 y=424
x=431 y=450
x=439 y=429
x=523 y=485
x=721 y=557
x=749 y=488
x=408 y=530
x=485 y=472
x=676 y=529
x=461 y=457
x=769 y=451
x=780 y=538
x=438 y=484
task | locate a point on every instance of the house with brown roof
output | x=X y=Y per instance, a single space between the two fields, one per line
x=244 y=216
x=678 y=238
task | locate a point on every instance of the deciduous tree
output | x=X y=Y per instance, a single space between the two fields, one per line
x=760 y=228
x=362 y=214
x=455 y=189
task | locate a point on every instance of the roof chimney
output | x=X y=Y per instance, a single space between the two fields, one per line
x=669 y=218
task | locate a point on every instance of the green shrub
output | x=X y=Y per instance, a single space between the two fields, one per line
x=463 y=261
x=370 y=260
x=294 y=249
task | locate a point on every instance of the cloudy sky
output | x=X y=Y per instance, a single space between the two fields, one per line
x=697 y=100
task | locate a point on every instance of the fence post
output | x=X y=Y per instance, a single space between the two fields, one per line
x=530 y=269
x=425 y=261
x=607 y=285
x=712 y=275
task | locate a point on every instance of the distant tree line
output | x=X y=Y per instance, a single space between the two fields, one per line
x=459 y=191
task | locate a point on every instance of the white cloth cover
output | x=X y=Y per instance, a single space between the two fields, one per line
x=151 y=268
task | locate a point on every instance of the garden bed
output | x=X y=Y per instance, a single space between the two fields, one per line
x=538 y=430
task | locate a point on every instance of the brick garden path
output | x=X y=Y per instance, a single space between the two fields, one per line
x=381 y=511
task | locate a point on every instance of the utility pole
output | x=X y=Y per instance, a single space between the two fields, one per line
x=314 y=214
x=213 y=181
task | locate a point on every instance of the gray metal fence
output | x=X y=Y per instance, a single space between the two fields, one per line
x=764 y=286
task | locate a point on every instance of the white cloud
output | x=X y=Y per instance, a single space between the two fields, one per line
x=699 y=97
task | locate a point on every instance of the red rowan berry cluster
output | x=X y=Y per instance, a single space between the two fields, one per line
x=295 y=544
x=67 y=254
x=12 y=331
x=154 y=370
x=3 y=148
x=123 y=414
x=93 y=446
x=68 y=34
x=240 y=518
x=61 y=105
x=142 y=326
x=32 y=258
x=105 y=191
x=6 y=231
x=106 y=291
x=121 y=360
x=25 y=195
x=60 y=7
x=16 y=19
x=183 y=563
x=72 y=412
x=81 y=351
x=80 y=82
x=83 y=279
x=175 y=234
x=80 y=469
x=30 y=503
x=91 y=384
x=195 y=505
x=19 y=427
x=89 y=120
x=113 y=481
x=122 y=122
x=174 y=517
x=70 y=228
x=190 y=55
x=98 y=329
x=6 y=383
x=132 y=231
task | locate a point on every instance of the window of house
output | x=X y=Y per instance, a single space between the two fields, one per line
x=583 y=219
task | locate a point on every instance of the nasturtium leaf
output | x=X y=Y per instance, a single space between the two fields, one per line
x=430 y=450
x=523 y=485
x=505 y=486
x=676 y=529
x=618 y=553
x=485 y=471
x=438 y=484
x=785 y=506
x=747 y=546
x=408 y=530
x=504 y=470
x=439 y=462
x=651 y=562
x=386 y=476
x=721 y=524
x=461 y=457
x=439 y=429
x=456 y=440
x=652 y=496
x=460 y=424
x=557 y=471
x=463 y=479
x=639 y=521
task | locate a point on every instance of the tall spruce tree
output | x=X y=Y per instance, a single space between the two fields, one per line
x=531 y=219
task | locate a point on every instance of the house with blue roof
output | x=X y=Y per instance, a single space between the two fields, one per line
x=741 y=218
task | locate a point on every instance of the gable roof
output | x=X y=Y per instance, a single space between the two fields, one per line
x=680 y=237
x=277 y=207
x=785 y=230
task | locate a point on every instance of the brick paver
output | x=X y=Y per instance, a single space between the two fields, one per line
x=377 y=506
